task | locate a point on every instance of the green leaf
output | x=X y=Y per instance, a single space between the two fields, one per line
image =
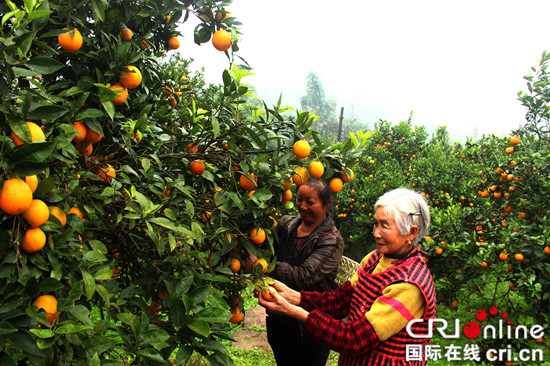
x=6 y=328
x=44 y=65
x=50 y=285
x=43 y=333
x=152 y=337
x=200 y=326
x=164 y=222
x=81 y=313
x=183 y=355
x=90 y=113
x=50 y=112
x=89 y=284
x=72 y=328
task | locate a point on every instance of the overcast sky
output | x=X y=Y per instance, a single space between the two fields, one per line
x=455 y=63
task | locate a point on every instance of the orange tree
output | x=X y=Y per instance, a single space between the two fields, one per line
x=139 y=274
x=489 y=199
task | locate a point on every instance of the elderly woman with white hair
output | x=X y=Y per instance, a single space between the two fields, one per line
x=391 y=287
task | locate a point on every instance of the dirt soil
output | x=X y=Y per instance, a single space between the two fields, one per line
x=248 y=339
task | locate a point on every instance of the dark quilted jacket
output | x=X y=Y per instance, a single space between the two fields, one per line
x=313 y=267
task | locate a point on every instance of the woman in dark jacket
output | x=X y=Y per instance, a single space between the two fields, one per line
x=309 y=251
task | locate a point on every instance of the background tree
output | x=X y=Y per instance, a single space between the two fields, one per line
x=315 y=101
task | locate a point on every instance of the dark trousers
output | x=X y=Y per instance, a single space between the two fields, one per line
x=291 y=346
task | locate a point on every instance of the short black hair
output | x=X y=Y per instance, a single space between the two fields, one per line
x=322 y=189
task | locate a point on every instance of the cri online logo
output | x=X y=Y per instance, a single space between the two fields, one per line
x=473 y=329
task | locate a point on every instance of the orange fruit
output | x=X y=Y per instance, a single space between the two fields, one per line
x=454 y=304
x=316 y=169
x=91 y=136
x=221 y=40
x=76 y=211
x=300 y=176
x=503 y=256
x=497 y=194
x=173 y=101
x=197 y=167
x=235 y=265
x=257 y=235
x=84 y=147
x=143 y=43
x=518 y=257
x=34 y=240
x=173 y=43
x=81 y=128
x=484 y=265
x=336 y=185
x=15 y=197
x=167 y=91
x=37 y=214
x=70 y=43
x=32 y=182
x=512 y=163
x=125 y=34
x=122 y=93
x=59 y=213
x=261 y=264
x=509 y=150
x=106 y=173
x=522 y=215
x=345 y=177
x=237 y=316
x=266 y=293
x=49 y=304
x=222 y=15
x=130 y=78
x=514 y=140
x=192 y=148
x=287 y=182
x=439 y=250
x=248 y=181
x=547 y=250
x=286 y=196
x=36 y=134
x=479 y=228
x=508 y=208
x=301 y=149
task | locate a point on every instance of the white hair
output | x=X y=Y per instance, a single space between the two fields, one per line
x=406 y=208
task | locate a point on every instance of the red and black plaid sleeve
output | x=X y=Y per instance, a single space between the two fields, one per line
x=350 y=338
x=335 y=303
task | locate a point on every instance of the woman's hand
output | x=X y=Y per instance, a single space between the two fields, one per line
x=281 y=306
x=290 y=295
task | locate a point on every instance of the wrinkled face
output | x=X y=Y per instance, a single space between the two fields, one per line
x=309 y=204
x=389 y=239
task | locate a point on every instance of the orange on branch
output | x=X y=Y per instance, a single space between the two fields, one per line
x=197 y=167
x=84 y=148
x=514 y=140
x=257 y=235
x=300 y=176
x=248 y=181
x=76 y=211
x=301 y=149
x=518 y=257
x=106 y=173
x=509 y=150
x=125 y=34
x=15 y=197
x=345 y=177
x=130 y=78
x=37 y=214
x=235 y=265
x=287 y=182
x=48 y=303
x=70 y=42
x=261 y=264
x=122 y=93
x=92 y=137
x=173 y=43
x=32 y=182
x=34 y=240
x=192 y=148
x=266 y=293
x=36 y=134
x=81 y=128
x=316 y=169
x=221 y=40
x=336 y=185
x=286 y=196
x=59 y=214
x=237 y=316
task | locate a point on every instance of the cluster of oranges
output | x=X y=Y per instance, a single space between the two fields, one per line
x=316 y=169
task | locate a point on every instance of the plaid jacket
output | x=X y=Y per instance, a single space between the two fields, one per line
x=355 y=339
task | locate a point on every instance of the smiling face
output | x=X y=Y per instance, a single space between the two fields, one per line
x=389 y=239
x=310 y=206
